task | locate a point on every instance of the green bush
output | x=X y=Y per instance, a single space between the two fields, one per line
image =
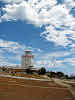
x=29 y=71
x=42 y=71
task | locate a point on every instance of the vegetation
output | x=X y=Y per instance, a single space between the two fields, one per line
x=29 y=71
x=42 y=71
x=51 y=74
x=4 y=69
x=57 y=75
x=60 y=74
x=72 y=77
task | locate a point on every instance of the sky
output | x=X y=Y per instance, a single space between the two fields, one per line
x=47 y=27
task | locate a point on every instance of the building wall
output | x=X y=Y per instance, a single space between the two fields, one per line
x=27 y=61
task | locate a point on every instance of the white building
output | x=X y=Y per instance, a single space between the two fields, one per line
x=27 y=60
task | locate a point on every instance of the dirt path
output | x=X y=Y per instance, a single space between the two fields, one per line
x=66 y=84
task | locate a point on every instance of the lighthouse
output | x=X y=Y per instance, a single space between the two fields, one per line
x=27 y=60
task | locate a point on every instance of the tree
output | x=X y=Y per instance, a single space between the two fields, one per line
x=28 y=71
x=56 y=74
x=72 y=76
x=42 y=71
x=52 y=74
x=60 y=74
x=4 y=69
x=66 y=77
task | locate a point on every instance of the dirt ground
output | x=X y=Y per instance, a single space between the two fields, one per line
x=19 y=89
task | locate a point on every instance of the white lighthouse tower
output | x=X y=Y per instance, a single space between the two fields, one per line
x=27 y=60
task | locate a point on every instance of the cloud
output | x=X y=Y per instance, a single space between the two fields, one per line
x=11 y=1
x=59 y=37
x=59 y=54
x=10 y=52
x=69 y=3
x=59 y=24
x=11 y=46
x=58 y=59
x=73 y=46
x=5 y=61
x=70 y=61
x=27 y=11
x=49 y=63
